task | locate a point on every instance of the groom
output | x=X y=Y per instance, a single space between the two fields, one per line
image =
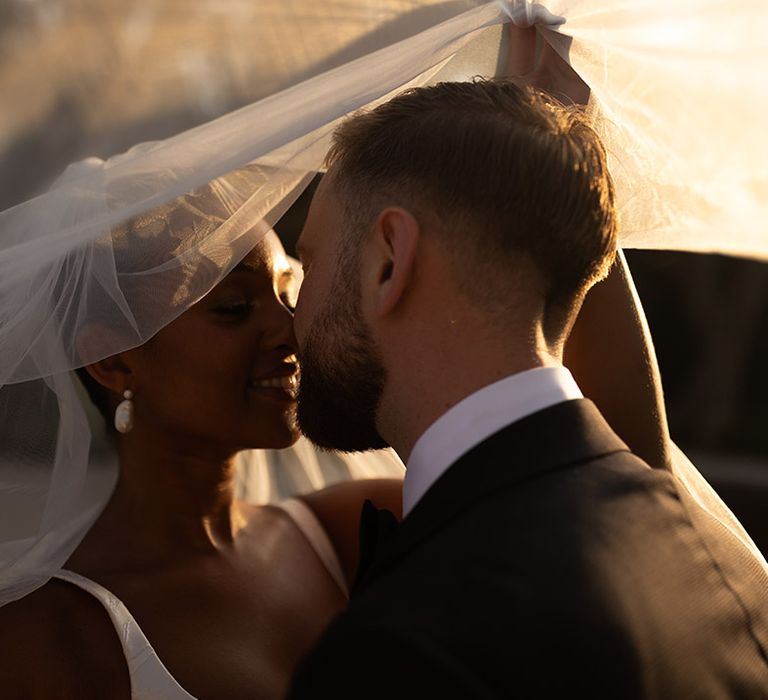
x=446 y=255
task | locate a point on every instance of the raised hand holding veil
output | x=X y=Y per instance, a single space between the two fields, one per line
x=117 y=249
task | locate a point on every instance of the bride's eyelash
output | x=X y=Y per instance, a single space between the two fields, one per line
x=234 y=309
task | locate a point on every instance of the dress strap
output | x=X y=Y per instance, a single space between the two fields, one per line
x=315 y=533
x=150 y=679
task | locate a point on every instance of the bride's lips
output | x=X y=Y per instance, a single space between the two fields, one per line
x=281 y=383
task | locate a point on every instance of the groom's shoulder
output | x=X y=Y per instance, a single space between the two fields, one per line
x=600 y=561
x=578 y=503
x=571 y=530
x=589 y=580
x=540 y=544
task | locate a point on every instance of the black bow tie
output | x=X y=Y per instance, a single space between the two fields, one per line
x=377 y=526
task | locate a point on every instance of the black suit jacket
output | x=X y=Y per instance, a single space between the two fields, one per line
x=549 y=562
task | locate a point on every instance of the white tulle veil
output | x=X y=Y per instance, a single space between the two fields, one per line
x=125 y=245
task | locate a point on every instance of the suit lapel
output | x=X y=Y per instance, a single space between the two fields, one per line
x=559 y=437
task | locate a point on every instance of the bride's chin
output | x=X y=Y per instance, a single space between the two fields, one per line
x=273 y=429
x=281 y=436
x=292 y=437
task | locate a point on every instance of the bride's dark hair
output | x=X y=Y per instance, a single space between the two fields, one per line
x=98 y=395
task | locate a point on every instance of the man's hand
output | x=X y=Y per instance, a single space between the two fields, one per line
x=550 y=73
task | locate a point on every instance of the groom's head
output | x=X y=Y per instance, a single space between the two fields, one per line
x=481 y=199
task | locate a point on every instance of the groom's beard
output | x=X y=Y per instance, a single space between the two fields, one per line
x=342 y=378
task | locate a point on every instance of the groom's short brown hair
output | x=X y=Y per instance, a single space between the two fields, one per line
x=506 y=171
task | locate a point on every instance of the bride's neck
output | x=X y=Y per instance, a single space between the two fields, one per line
x=174 y=500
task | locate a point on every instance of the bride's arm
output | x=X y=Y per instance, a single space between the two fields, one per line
x=611 y=355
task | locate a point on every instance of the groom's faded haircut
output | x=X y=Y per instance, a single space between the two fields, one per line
x=511 y=166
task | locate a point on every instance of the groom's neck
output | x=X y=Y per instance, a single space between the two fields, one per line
x=444 y=366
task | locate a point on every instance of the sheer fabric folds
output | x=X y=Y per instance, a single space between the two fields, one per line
x=117 y=249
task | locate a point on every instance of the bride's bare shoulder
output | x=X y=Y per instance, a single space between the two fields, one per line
x=58 y=642
x=338 y=509
x=350 y=495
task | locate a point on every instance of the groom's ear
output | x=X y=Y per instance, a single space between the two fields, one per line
x=392 y=256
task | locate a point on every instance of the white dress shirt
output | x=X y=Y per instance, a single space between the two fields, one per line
x=477 y=417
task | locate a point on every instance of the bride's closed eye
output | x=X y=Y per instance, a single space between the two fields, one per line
x=240 y=308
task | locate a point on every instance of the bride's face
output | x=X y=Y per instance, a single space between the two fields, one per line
x=224 y=372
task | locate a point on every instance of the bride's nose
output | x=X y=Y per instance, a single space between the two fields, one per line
x=279 y=326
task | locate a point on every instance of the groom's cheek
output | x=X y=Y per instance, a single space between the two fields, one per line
x=313 y=295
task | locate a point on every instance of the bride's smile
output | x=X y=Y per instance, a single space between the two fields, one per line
x=281 y=386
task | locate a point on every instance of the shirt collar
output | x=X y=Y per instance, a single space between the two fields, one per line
x=477 y=417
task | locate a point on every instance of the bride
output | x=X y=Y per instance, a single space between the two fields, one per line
x=232 y=595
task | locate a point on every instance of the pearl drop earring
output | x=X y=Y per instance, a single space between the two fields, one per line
x=124 y=413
